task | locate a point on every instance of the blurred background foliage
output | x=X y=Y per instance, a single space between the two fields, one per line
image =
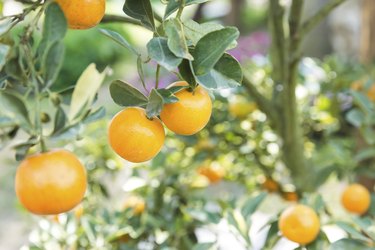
x=205 y=190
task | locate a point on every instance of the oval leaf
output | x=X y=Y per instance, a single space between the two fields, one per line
x=159 y=51
x=85 y=91
x=227 y=73
x=119 y=39
x=142 y=11
x=127 y=96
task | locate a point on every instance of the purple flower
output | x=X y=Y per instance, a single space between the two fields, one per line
x=254 y=44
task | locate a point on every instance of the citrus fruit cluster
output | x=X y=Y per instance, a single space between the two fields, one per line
x=82 y=14
x=300 y=223
x=138 y=138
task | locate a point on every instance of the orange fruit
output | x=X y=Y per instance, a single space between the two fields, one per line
x=135 y=137
x=356 y=199
x=271 y=185
x=51 y=183
x=291 y=196
x=213 y=172
x=190 y=114
x=239 y=107
x=82 y=14
x=137 y=204
x=299 y=223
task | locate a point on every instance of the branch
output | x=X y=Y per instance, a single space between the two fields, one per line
x=120 y=19
x=319 y=16
x=264 y=104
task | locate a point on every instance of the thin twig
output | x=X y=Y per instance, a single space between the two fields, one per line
x=311 y=23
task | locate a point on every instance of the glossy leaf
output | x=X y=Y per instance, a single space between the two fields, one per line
x=195 y=31
x=155 y=104
x=127 y=96
x=59 y=121
x=54 y=29
x=15 y=108
x=186 y=71
x=142 y=11
x=119 y=39
x=176 y=39
x=252 y=204
x=211 y=48
x=227 y=73
x=53 y=61
x=159 y=51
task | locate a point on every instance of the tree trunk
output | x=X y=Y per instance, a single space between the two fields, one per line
x=368 y=32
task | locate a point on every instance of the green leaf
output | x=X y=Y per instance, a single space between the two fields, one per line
x=85 y=91
x=6 y=122
x=23 y=148
x=174 y=5
x=140 y=71
x=227 y=73
x=15 y=108
x=349 y=244
x=355 y=117
x=59 y=121
x=176 y=39
x=204 y=246
x=368 y=134
x=362 y=101
x=127 y=96
x=159 y=51
x=186 y=71
x=155 y=104
x=272 y=234
x=54 y=29
x=95 y=115
x=4 y=50
x=365 y=154
x=211 y=48
x=168 y=94
x=142 y=11
x=195 y=31
x=252 y=204
x=53 y=61
x=351 y=230
x=5 y=25
x=119 y=39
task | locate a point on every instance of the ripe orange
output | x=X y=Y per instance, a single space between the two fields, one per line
x=190 y=114
x=135 y=137
x=51 y=183
x=299 y=223
x=137 y=204
x=271 y=185
x=239 y=107
x=213 y=172
x=82 y=14
x=356 y=199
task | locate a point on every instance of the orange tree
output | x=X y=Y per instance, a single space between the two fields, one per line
x=196 y=54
